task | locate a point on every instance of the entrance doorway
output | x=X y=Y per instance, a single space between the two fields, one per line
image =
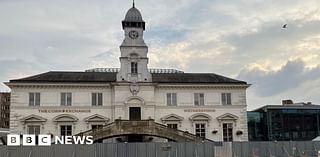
x=134 y=113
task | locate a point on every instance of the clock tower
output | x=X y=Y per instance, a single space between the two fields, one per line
x=134 y=59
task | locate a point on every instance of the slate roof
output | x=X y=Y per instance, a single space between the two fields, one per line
x=72 y=77
x=105 y=77
x=193 y=78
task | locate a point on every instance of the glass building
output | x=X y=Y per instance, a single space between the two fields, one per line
x=288 y=122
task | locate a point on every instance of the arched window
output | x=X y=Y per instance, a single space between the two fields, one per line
x=172 y=120
x=200 y=124
x=96 y=121
x=33 y=123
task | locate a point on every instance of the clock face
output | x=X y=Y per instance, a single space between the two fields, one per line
x=133 y=34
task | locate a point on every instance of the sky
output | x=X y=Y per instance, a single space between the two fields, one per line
x=241 y=39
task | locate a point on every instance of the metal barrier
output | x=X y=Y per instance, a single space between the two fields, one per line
x=188 y=149
x=276 y=149
x=170 y=149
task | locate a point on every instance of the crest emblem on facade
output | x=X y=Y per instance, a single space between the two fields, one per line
x=134 y=88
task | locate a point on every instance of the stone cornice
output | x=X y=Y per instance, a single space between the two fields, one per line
x=117 y=106
x=103 y=85
x=128 y=83
x=202 y=107
x=202 y=86
x=60 y=107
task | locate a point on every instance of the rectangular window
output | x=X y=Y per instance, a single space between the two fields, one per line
x=134 y=67
x=201 y=130
x=66 y=130
x=66 y=99
x=7 y=99
x=96 y=99
x=227 y=132
x=96 y=127
x=172 y=99
x=34 y=129
x=34 y=99
x=173 y=126
x=226 y=98
x=198 y=99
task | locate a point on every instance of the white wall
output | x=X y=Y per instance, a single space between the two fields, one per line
x=114 y=106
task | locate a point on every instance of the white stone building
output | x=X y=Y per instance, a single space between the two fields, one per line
x=63 y=103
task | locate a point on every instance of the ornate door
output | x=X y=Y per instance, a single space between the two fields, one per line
x=134 y=113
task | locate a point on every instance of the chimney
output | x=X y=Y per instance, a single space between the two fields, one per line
x=287 y=102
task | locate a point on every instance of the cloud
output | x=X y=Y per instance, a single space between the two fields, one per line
x=307 y=91
x=14 y=69
x=107 y=59
x=233 y=38
x=290 y=76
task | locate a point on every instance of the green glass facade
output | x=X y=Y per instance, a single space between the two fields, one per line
x=284 y=123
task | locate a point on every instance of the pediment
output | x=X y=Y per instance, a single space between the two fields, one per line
x=96 y=118
x=134 y=100
x=228 y=116
x=172 y=117
x=200 y=117
x=65 y=118
x=33 y=118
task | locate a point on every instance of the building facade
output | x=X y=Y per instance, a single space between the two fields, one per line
x=4 y=110
x=287 y=122
x=64 y=103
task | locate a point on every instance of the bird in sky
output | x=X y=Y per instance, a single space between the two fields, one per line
x=284 y=26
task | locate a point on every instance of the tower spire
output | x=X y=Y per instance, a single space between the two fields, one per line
x=133 y=4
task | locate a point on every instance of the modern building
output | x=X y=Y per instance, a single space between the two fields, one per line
x=287 y=122
x=4 y=110
x=3 y=136
x=64 y=103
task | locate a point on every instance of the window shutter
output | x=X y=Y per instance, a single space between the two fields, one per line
x=100 y=99
x=63 y=98
x=201 y=98
x=31 y=99
x=196 y=99
x=93 y=99
x=229 y=99
x=223 y=98
x=174 y=97
x=168 y=99
x=69 y=99
x=37 y=99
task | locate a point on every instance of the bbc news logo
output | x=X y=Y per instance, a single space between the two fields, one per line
x=46 y=140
